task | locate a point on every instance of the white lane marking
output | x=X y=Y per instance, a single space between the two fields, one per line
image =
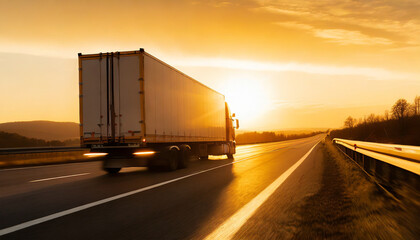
x=60 y=177
x=103 y=201
x=232 y=225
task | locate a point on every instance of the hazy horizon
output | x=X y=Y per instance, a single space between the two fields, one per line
x=280 y=64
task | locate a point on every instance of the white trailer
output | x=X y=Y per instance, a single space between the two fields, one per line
x=136 y=110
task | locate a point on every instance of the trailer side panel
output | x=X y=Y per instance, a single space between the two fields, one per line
x=180 y=109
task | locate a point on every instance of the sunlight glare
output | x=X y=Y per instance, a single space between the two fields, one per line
x=248 y=98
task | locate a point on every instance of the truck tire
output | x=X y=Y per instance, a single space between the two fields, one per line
x=152 y=167
x=172 y=160
x=184 y=159
x=229 y=156
x=112 y=170
x=204 y=157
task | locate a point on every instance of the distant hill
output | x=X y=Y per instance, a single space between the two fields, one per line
x=46 y=130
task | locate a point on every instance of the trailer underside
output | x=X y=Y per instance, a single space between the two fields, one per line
x=158 y=155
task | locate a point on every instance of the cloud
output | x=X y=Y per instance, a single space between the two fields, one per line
x=340 y=36
x=284 y=11
x=388 y=23
x=345 y=37
x=373 y=73
x=295 y=25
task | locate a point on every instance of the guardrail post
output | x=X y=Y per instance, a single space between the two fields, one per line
x=360 y=158
x=366 y=164
x=379 y=171
x=372 y=166
x=362 y=162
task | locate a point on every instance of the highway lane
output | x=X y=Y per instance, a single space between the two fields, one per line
x=191 y=207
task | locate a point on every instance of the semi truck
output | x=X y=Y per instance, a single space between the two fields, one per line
x=136 y=111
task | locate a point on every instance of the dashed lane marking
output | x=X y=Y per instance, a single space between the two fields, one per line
x=60 y=177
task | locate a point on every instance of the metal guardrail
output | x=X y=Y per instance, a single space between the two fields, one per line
x=395 y=168
x=8 y=151
x=20 y=157
x=402 y=156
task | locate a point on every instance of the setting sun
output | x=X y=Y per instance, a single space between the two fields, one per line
x=247 y=98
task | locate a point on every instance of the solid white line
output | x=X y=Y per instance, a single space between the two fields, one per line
x=232 y=225
x=53 y=178
x=93 y=204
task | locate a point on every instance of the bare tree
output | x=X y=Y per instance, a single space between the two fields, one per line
x=386 y=115
x=417 y=105
x=350 y=122
x=412 y=110
x=360 y=121
x=400 y=108
x=372 y=118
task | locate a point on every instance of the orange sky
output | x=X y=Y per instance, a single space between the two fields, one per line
x=281 y=64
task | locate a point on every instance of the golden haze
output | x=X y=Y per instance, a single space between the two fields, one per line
x=281 y=64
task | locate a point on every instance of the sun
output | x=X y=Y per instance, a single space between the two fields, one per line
x=247 y=97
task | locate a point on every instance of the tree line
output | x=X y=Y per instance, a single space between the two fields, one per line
x=399 y=111
x=262 y=137
x=400 y=124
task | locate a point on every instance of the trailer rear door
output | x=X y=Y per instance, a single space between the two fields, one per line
x=127 y=72
x=110 y=99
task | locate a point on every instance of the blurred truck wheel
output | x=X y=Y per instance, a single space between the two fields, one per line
x=112 y=170
x=184 y=159
x=151 y=166
x=172 y=159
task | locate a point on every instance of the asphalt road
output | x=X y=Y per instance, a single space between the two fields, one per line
x=250 y=197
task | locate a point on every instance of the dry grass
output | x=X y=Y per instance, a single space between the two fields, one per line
x=351 y=206
x=374 y=214
x=30 y=159
x=328 y=213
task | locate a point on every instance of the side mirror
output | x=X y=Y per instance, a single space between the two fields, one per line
x=237 y=123
x=233 y=115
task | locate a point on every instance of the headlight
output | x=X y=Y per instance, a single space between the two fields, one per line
x=144 y=153
x=95 y=154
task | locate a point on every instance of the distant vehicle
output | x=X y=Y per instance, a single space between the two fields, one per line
x=136 y=110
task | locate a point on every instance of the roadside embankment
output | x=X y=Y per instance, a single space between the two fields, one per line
x=41 y=158
x=350 y=206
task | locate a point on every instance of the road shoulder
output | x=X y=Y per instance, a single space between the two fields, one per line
x=350 y=206
x=277 y=218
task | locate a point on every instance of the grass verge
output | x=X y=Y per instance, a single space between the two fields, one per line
x=34 y=159
x=350 y=206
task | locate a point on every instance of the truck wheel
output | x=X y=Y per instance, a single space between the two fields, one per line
x=184 y=159
x=112 y=170
x=229 y=156
x=172 y=160
x=204 y=157
x=152 y=166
